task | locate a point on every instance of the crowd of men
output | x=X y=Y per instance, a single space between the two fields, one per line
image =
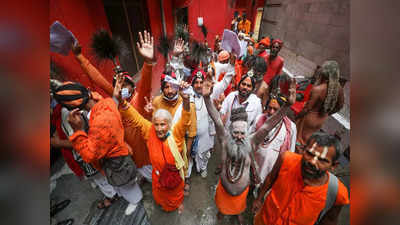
x=241 y=107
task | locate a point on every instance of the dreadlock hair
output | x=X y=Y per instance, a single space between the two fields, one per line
x=238 y=114
x=330 y=72
x=327 y=140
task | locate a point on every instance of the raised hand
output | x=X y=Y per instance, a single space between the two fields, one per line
x=183 y=85
x=75 y=119
x=207 y=87
x=257 y=204
x=149 y=104
x=178 y=47
x=146 y=47
x=118 y=86
x=292 y=91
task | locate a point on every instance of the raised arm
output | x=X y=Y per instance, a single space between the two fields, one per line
x=182 y=126
x=129 y=115
x=221 y=86
x=146 y=50
x=271 y=122
x=92 y=72
x=212 y=111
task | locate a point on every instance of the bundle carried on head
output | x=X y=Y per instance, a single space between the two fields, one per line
x=106 y=47
x=238 y=114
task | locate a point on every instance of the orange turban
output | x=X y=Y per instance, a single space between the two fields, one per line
x=223 y=55
x=266 y=41
x=250 y=50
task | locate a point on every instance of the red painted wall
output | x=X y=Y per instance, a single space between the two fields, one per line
x=83 y=18
x=217 y=15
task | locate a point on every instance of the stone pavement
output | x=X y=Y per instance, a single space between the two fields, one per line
x=199 y=208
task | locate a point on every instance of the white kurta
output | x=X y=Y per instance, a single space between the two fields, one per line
x=205 y=134
x=267 y=152
x=252 y=104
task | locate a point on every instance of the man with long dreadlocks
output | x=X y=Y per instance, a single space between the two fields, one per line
x=136 y=96
x=326 y=98
x=236 y=146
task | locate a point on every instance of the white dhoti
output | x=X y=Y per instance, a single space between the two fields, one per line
x=205 y=135
x=202 y=160
x=104 y=186
x=131 y=192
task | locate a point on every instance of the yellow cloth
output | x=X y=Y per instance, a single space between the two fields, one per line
x=160 y=103
x=168 y=199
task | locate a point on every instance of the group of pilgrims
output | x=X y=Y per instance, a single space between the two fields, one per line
x=265 y=126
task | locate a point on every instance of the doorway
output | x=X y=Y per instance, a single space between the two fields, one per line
x=126 y=18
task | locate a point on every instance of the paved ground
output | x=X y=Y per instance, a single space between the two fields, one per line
x=199 y=209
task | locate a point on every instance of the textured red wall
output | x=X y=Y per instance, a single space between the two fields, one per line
x=217 y=16
x=83 y=18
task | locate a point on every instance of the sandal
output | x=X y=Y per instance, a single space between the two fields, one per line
x=186 y=187
x=102 y=204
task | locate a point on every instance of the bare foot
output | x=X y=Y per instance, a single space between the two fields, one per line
x=180 y=208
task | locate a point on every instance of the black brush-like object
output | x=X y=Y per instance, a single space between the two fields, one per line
x=106 y=47
x=204 y=30
x=164 y=45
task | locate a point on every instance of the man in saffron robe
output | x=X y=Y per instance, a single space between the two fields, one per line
x=236 y=147
x=299 y=185
x=165 y=143
x=135 y=96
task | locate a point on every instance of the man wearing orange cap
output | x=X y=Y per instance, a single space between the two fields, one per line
x=274 y=68
x=263 y=47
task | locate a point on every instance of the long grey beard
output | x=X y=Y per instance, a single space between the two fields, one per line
x=238 y=151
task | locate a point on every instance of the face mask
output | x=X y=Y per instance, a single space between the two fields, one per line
x=125 y=93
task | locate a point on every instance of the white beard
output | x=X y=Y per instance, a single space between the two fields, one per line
x=238 y=151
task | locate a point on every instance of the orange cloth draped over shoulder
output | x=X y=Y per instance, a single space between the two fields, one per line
x=139 y=150
x=228 y=204
x=168 y=199
x=290 y=201
x=105 y=137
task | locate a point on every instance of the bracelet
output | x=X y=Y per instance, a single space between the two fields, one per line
x=124 y=105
